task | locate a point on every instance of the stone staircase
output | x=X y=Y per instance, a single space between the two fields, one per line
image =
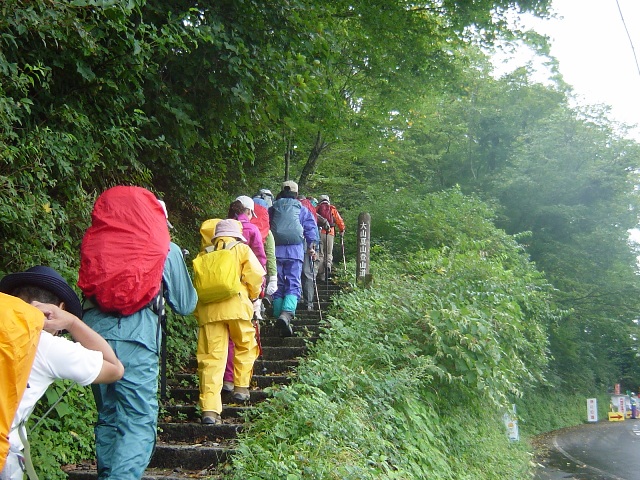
x=188 y=449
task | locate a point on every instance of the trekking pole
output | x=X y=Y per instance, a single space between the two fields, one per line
x=256 y=325
x=315 y=286
x=344 y=260
x=326 y=260
x=54 y=405
x=162 y=327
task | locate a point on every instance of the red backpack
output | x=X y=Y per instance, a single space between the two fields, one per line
x=123 y=252
x=307 y=203
x=324 y=210
x=261 y=220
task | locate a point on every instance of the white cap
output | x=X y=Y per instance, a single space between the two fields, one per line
x=293 y=186
x=247 y=203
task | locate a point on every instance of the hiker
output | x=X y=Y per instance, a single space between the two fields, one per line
x=265 y=195
x=242 y=209
x=261 y=202
x=327 y=234
x=229 y=318
x=88 y=359
x=309 y=265
x=292 y=225
x=128 y=409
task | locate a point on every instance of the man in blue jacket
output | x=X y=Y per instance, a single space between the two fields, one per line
x=295 y=232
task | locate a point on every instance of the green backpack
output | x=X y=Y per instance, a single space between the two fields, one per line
x=216 y=273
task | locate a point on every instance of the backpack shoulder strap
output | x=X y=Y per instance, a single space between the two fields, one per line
x=230 y=245
x=225 y=246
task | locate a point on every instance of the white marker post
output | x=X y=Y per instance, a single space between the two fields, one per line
x=592 y=409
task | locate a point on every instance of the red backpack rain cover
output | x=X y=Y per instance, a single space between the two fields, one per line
x=123 y=252
x=261 y=220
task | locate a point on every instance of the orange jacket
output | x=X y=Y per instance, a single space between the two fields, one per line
x=337 y=219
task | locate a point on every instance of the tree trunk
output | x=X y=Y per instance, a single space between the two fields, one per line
x=312 y=162
x=287 y=158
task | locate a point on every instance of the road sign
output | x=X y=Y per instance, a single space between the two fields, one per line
x=592 y=410
x=511 y=422
x=616 y=416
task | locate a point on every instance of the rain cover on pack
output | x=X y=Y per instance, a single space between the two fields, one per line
x=123 y=252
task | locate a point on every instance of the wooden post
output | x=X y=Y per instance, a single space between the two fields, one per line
x=363 y=276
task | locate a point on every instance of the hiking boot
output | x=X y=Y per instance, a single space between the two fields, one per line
x=241 y=394
x=310 y=307
x=283 y=323
x=211 y=418
x=227 y=386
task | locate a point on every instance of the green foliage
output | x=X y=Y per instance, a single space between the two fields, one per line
x=181 y=338
x=571 y=183
x=546 y=409
x=430 y=353
x=65 y=434
x=405 y=222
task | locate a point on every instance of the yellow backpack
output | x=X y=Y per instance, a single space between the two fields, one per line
x=216 y=274
x=20 y=327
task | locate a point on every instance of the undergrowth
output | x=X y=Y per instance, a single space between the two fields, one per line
x=411 y=380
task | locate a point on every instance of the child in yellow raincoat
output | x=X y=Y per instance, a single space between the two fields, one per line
x=228 y=318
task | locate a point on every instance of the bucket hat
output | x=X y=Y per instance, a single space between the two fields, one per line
x=48 y=279
x=229 y=228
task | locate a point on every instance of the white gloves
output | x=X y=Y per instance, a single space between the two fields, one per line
x=257 y=309
x=272 y=286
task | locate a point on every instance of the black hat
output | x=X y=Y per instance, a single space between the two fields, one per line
x=48 y=279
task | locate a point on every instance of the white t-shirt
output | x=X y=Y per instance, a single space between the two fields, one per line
x=56 y=359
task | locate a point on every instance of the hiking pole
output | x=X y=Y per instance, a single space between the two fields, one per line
x=256 y=326
x=344 y=260
x=28 y=463
x=162 y=319
x=315 y=286
x=326 y=260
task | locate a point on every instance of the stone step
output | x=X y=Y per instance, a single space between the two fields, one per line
x=185 y=395
x=264 y=366
x=195 y=432
x=282 y=353
x=191 y=456
x=88 y=472
x=184 y=413
x=299 y=330
x=301 y=341
x=301 y=318
x=187 y=392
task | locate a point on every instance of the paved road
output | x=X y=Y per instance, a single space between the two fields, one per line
x=595 y=451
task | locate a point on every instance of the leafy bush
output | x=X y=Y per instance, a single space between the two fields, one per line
x=65 y=434
x=545 y=409
x=410 y=379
